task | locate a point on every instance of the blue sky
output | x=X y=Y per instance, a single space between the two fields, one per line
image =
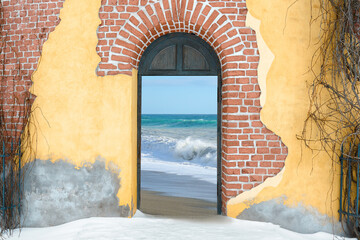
x=179 y=95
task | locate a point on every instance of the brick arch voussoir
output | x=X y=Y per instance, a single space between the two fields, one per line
x=158 y=19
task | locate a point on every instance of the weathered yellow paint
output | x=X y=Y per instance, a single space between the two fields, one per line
x=267 y=57
x=79 y=116
x=309 y=178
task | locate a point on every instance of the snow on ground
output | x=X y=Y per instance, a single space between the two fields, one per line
x=143 y=226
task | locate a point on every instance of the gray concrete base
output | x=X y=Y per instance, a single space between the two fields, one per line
x=56 y=193
x=298 y=218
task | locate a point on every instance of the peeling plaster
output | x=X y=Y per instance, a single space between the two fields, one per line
x=266 y=56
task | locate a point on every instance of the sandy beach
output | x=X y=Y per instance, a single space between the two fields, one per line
x=155 y=204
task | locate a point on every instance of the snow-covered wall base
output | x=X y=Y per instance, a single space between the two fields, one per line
x=297 y=218
x=56 y=193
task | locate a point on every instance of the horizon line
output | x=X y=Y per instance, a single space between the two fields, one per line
x=179 y=113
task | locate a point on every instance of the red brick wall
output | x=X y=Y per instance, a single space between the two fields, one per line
x=250 y=152
x=24 y=26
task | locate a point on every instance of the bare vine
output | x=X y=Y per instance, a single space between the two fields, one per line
x=15 y=138
x=333 y=121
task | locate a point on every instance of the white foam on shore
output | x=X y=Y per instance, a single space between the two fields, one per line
x=179 y=179
x=205 y=173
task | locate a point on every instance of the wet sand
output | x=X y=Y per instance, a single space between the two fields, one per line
x=180 y=207
x=183 y=186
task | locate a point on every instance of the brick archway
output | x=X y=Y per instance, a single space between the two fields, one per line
x=250 y=152
x=156 y=20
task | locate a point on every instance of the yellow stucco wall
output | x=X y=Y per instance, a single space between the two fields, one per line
x=310 y=178
x=78 y=116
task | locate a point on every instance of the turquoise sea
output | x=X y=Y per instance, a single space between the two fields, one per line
x=183 y=138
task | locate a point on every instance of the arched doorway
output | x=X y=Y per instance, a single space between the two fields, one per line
x=180 y=54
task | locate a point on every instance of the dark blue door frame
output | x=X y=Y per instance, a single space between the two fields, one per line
x=213 y=68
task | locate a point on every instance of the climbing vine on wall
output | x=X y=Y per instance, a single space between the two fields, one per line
x=15 y=111
x=333 y=121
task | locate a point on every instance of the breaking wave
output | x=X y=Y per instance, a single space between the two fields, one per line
x=188 y=150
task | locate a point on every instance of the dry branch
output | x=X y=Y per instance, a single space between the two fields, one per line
x=334 y=115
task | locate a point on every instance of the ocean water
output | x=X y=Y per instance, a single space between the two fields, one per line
x=179 y=155
x=186 y=139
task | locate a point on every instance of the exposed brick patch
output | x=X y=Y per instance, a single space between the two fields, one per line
x=24 y=27
x=250 y=152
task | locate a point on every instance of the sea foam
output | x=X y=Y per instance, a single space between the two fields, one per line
x=191 y=150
